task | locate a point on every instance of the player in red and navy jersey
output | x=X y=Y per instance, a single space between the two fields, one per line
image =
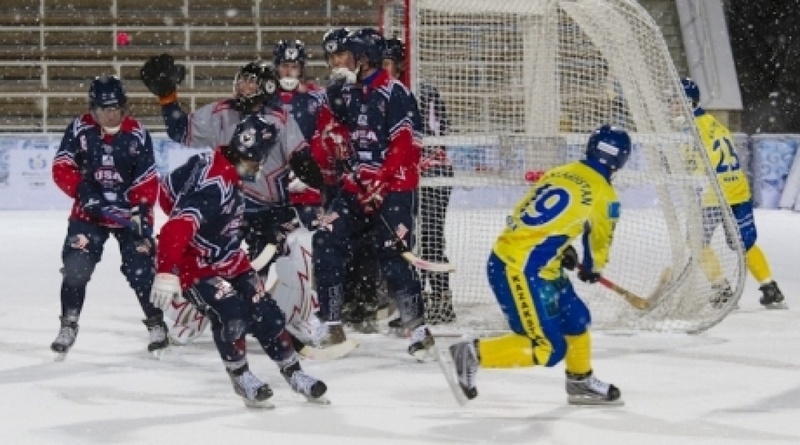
x=381 y=117
x=199 y=260
x=106 y=164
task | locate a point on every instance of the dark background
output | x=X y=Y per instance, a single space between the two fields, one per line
x=765 y=38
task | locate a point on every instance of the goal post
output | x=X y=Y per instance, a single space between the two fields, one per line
x=524 y=83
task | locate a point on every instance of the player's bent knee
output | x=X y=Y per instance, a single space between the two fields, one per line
x=78 y=269
x=268 y=320
x=233 y=330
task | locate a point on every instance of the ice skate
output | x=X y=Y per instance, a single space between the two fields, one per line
x=439 y=308
x=586 y=389
x=65 y=338
x=773 y=297
x=309 y=387
x=332 y=341
x=331 y=333
x=250 y=388
x=722 y=294
x=159 y=341
x=362 y=319
x=421 y=343
x=459 y=364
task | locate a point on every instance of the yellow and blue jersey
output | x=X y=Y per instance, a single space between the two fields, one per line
x=566 y=202
x=718 y=142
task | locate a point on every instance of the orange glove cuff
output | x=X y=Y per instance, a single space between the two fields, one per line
x=170 y=98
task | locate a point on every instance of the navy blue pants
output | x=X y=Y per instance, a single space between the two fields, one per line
x=237 y=307
x=334 y=244
x=83 y=249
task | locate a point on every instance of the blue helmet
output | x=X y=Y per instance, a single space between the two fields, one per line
x=252 y=140
x=691 y=89
x=289 y=51
x=107 y=91
x=610 y=146
x=334 y=41
x=369 y=43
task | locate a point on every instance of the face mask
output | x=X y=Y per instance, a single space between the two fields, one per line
x=289 y=83
x=343 y=74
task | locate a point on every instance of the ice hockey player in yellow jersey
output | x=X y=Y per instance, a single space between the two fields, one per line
x=549 y=322
x=718 y=143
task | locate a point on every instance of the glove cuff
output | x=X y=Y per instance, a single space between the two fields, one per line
x=169 y=99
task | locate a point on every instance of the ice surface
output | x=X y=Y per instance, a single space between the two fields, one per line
x=739 y=383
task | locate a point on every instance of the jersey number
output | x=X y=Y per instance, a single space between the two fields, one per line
x=728 y=159
x=546 y=204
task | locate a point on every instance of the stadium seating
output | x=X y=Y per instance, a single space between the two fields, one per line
x=51 y=49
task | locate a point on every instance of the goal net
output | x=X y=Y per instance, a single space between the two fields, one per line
x=524 y=83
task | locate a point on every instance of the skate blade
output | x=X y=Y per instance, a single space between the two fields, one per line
x=449 y=371
x=781 y=305
x=158 y=354
x=60 y=356
x=258 y=404
x=321 y=400
x=331 y=352
x=593 y=401
x=423 y=355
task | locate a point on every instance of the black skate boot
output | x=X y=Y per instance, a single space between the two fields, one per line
x=159 y=341
x=420 y=343
x=459 y=363
x=309 y=387
x=66 y=336
x=722 y=294
x=586 y=389
x=773 y=297
x=250 y=388
x=439 y=308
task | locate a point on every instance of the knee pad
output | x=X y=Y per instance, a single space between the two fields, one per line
x=233 y=330
x=78 y=268
x=575 y=316
x=267 y=319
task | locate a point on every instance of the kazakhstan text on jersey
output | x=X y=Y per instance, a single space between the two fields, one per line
x=564 y=203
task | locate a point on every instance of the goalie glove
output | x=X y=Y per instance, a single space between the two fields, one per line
x=166 y=287
x=372 y=196
x=161 y=76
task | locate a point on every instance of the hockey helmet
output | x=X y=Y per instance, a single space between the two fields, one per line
x=368 y=43
x=610 y=146
x=395 y=50
x=691 y=89
x=107 y=91
x=254 y=85
x=252 y=141
x=334 y=41
x=289 y=51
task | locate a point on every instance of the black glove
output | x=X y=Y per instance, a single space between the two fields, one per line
x=141 y=226
x=588 y=276
x=161 y=75
x=569 y=259
x=91 y=201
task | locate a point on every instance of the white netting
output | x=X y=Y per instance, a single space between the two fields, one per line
x=524 y=83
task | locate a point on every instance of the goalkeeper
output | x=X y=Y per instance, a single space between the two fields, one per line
x=718 y=143
x=549 y=321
